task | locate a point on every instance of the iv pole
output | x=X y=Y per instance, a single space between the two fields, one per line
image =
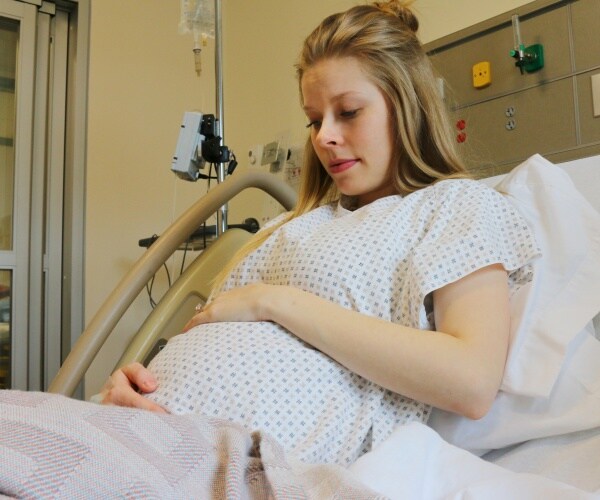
x=221 y=169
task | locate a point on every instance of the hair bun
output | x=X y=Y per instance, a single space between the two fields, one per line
x=400 y=9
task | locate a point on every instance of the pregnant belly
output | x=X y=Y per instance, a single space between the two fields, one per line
x=261 y=376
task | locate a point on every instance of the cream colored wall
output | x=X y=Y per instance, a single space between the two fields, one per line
x=141 y=82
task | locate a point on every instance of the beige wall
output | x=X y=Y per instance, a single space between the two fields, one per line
x=141 y=82
x=440 y=18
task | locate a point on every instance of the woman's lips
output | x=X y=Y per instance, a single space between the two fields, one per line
x=338 y=166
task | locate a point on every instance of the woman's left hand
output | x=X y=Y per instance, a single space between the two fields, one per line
x=239 y=304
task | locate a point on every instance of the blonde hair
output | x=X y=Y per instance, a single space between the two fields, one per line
x=382 y=37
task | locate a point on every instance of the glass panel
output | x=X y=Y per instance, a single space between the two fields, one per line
x=9 y=37
x=5 y=286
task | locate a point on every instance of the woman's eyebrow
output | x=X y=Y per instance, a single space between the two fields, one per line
x=338 y=97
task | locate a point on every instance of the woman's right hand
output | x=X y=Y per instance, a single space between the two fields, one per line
x=126 y=386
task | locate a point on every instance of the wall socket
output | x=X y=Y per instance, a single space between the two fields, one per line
x=276 y=158
x=270 y=153
x=293 y=165
x=283 y=162
x=255 y=154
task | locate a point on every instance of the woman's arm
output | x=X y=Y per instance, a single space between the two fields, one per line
x=457 y=368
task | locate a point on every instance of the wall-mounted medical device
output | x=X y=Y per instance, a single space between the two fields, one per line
x=198 y=144
x=529 y=59
x=554 y=111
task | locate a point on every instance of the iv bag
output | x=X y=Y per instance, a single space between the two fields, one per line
x=198 y=17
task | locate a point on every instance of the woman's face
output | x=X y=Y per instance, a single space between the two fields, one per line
x=351 y=130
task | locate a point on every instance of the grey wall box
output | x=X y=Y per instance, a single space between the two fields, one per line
x=549 y=111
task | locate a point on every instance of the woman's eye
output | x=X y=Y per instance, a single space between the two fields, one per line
x=351 y=113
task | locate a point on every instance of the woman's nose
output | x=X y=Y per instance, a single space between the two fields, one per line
x=328 y=134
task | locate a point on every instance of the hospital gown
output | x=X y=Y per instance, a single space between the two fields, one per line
x=383 y=260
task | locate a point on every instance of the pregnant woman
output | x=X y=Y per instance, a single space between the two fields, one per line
x=384 y=293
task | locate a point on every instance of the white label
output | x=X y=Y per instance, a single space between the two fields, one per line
x=596 y=93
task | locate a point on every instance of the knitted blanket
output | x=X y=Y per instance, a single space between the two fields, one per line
x=56 y=447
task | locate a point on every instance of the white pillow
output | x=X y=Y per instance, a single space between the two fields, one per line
x=565 y=292
x=551 y=384
x=573 y=405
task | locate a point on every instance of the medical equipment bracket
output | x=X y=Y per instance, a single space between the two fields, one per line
x=113 y=308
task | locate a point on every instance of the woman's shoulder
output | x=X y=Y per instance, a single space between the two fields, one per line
x=457 y=201
x=464 y=192
x=461 y=186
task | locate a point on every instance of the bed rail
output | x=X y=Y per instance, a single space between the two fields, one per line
x=89 y=343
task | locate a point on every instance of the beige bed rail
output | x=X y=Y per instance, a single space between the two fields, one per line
x=89 y=343
x=177 y=305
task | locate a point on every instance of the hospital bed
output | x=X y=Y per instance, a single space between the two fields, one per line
x=411 y=463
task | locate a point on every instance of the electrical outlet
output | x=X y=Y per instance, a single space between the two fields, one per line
x=270 y=153
x=293 y=165
x=255 y=156
x=482 y=74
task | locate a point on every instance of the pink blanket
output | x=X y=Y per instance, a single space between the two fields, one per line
x=56 y=447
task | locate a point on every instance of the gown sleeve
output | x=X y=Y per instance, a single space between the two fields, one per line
x=471 y=227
